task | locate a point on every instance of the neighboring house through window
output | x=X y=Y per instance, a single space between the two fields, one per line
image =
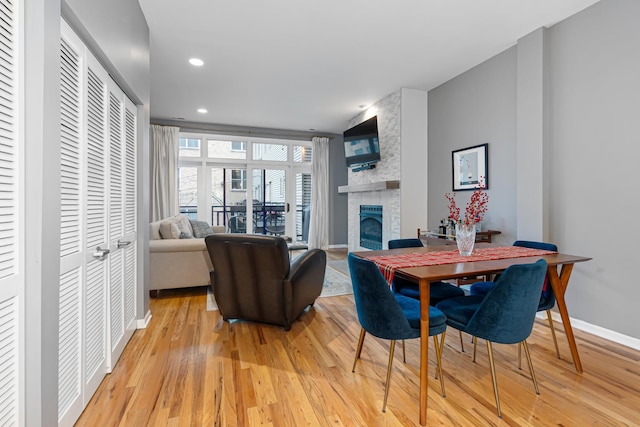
x=238 y=146
x=191 y=143
x=239 y=179
x=227 y=179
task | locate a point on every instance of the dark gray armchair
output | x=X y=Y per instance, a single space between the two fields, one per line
x=253 y=278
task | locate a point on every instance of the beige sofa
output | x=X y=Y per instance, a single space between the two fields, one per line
x=176 y=262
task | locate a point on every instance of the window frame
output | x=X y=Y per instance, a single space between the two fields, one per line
x=242 y=180
x=204 y=163
x=188 y=139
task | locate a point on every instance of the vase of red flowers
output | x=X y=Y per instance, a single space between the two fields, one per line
x=474 y=213
x=465 y=238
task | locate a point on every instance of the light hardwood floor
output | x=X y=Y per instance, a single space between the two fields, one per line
x=189 y=368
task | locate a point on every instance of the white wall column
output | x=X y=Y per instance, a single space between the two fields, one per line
x=42 y=210
x=413 y=162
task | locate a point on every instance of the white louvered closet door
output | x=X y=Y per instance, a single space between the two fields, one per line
x=95 y=298
x=71 y=250
x=97 y=265
x=12 y=282
x=122 y=238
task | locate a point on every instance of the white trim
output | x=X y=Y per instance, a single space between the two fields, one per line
x=596 y=330
x=143 y=323
x=340 y=246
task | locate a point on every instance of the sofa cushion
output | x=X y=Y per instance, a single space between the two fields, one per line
x=169 y=230
x=177 y=245
x=185 y=225
x=154 y=230
x=172 y=227
x=200 y=228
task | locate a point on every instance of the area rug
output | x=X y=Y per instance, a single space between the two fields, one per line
x=336 y=282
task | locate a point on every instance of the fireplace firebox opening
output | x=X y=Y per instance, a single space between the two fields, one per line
x=371 y=227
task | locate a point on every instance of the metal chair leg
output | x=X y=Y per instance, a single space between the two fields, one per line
x=519 y=356
x=404 y=353
x=475 y=345
x=435 y=344
x=493 y=377
x=461 y=342
x=359 y=348
x=533 y=375
x=386 y=386
x=553 y=333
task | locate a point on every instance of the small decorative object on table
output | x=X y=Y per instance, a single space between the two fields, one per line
x=474 y=213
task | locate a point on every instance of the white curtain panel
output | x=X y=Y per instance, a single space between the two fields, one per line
x=319 y=221
x=164 y=171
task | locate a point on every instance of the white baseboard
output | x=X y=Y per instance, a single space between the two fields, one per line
x=142 y=323
x=338 y=246
x=598 y=331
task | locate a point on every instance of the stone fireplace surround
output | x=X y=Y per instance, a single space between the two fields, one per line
x=401 y=129
x=383 y=193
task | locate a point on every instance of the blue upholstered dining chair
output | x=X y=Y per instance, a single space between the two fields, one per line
x=439 y=291
x=505 y=315
x=390 y=316
x=547 y=297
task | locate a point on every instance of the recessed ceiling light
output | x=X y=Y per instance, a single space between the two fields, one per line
x=202 y=110
x=196 y=62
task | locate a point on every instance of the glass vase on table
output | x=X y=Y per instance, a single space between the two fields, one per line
x=465 y=237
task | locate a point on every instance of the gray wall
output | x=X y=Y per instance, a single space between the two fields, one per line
x=476 y=107
x=595 y=144
x=591 y=97
x=338 y=231
x=117 y=33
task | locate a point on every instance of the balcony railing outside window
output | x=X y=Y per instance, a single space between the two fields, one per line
x=267 y=218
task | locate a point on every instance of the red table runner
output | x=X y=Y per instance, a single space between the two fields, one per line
x=388 y=264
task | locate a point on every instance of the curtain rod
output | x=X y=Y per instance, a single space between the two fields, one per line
x=240 y=130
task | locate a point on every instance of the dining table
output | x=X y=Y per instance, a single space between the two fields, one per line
x=424 y=265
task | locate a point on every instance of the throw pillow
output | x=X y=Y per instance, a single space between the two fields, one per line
x=169 y=229
x=185 y=225
x=184 y=235
x=200 y=228
x=154 y=230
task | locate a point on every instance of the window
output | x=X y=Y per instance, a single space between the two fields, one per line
x=301 y=154
x=226 y=149
x=189 y=143
x=189 y=147
x=238 y=146
x=239 y=179
x=220 y=173
x=188 y=191
x=274 y=152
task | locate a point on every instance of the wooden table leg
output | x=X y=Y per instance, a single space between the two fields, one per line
x=424 y=348
x=560 y=284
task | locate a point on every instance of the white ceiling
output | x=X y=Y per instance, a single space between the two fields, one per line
x=301 y=65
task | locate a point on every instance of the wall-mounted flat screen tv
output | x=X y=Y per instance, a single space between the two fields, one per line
x=361 y=144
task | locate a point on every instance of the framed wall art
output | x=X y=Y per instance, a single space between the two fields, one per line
x=470 y=166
